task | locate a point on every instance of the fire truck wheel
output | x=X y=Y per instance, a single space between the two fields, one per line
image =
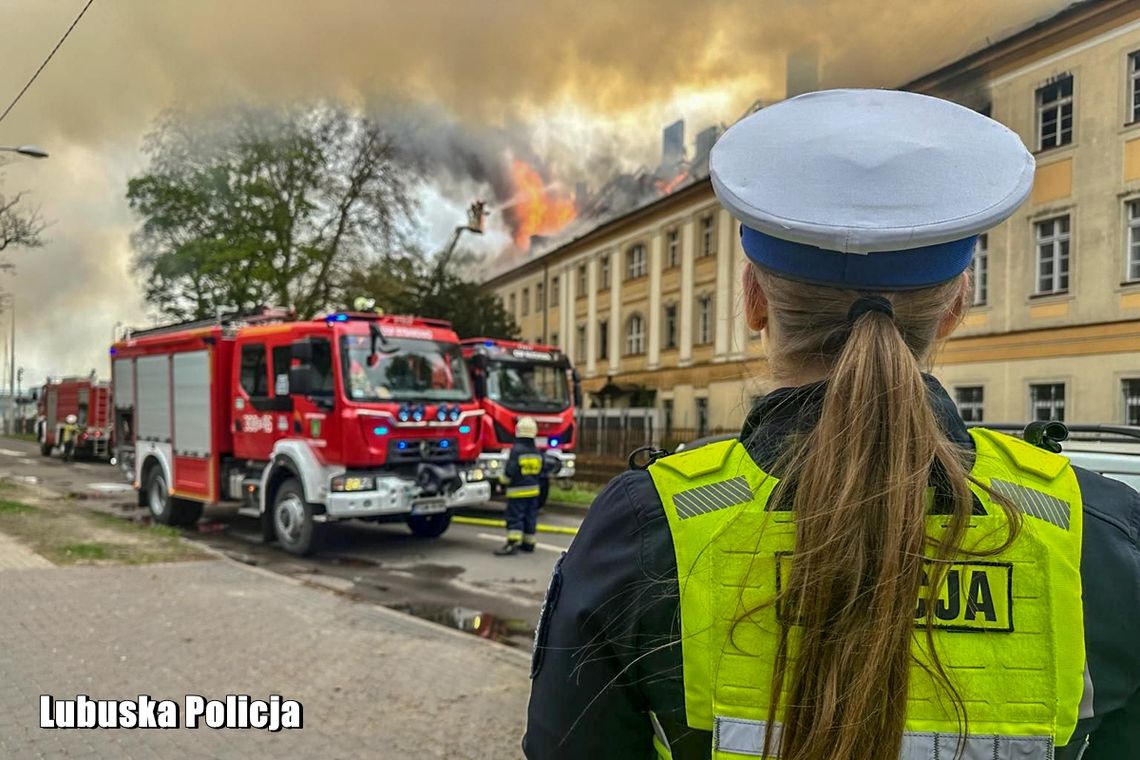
x=293 y=520
x=158 y=498
x=429 y=526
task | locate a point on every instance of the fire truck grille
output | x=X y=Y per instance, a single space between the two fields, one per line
x=413 y=450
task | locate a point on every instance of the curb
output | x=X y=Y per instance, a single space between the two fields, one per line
x=492 y=523
x=522 y=656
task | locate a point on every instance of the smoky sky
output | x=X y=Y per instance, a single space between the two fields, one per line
x=581 y=88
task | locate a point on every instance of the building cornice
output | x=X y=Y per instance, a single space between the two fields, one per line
x=1062 y=29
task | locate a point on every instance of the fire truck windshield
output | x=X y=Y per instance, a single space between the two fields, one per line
x=405 y=370
x=528 y=387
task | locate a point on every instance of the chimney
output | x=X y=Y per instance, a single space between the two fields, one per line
x=673 y=144
x=705 y=140
x=802 y=73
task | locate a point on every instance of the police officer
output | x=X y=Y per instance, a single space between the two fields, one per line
x=858 y=576
x=523 y=476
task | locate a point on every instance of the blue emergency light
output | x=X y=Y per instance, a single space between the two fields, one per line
x=380 y=430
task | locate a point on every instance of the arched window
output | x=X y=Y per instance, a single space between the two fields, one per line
x=635 y=335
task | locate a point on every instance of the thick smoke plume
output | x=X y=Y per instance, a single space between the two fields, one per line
x=578 y=90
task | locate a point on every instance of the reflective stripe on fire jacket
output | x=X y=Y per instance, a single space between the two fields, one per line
x=1025 y=603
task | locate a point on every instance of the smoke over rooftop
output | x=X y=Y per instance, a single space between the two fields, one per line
x=575 y=93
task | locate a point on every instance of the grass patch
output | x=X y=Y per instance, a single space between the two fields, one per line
x=67 y=534
x=30 y=437
x=15 y=507
x=85 y=551
x=576 y=495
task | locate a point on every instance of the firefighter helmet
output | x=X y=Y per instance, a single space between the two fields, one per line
x=526 y=427
x=71 y=419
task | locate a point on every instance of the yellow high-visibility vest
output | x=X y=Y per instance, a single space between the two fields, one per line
x=1010 y=626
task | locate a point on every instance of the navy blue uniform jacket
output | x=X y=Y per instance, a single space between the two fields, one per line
x=608 y=649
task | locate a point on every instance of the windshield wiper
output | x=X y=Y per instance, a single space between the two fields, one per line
x=378 y=337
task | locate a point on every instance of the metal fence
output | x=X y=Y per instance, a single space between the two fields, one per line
x=607 y=438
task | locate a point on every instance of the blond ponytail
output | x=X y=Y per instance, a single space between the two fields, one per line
x=858 y=484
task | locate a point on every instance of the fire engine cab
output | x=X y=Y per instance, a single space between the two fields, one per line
x=351 y=415
x=522 y=379
x=90 y=401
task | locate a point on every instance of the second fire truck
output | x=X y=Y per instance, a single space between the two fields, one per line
x=352 y=415
x=522 y=379
x=86 y=398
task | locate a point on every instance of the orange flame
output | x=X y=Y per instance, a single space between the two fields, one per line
x=536 y=211
x=667 y=186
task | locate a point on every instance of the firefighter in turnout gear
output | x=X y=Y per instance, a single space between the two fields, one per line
x=523 y=478
x=69 y=437
x=858 y=575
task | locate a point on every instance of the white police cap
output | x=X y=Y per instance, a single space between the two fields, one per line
x=868 y=189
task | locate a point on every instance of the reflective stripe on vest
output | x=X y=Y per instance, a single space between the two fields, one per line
x=523 y=492
x=1022 y=681
x=746 y=737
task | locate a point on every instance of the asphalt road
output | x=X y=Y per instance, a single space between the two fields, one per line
x=453 y=580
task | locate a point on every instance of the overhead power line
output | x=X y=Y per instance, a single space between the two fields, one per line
x=47 y=60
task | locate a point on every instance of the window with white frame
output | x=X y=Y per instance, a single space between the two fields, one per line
x=708 y=235
x=525 y=301
x=672 y=248
x=539 y=297
x=582 y=280
x=634 y=335
x=605 y=273
x=511 y=300
x=1055 y=113
x=980 y=270
x=970 y=400
x=1134 y=85
x=1132 y=251
x=667 y=417
x=554 y=295
x=580 y=344
x=1047 y=401
x=1131 y=388
x=604 y=339
x=554 y=340
x=705 y=319
x=635 y=261
x=669 y=326
x=1053 y=255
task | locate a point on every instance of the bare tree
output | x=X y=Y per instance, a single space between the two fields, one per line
x=20 y=226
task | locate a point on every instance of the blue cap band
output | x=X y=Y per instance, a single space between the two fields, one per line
x=905 y=269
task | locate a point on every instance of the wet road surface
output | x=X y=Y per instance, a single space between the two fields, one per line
x=453 y=580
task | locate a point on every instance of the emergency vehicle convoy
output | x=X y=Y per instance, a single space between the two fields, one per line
x=521 y=379
x=352 y=415
x=89 y=400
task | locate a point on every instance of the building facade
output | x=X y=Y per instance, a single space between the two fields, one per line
x=649 y=304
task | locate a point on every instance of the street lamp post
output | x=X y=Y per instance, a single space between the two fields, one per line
x=31 y=151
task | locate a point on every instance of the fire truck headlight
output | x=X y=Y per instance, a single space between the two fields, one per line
x=342 y=483
x=553 y=443
x=441 y=413
x=475 y=474
x=405 y=414
x=495 y=464
x=455 y=413
x=418 y=414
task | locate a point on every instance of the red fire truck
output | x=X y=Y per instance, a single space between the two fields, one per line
x=522 y=379
x=352 y=415
x=90 y=401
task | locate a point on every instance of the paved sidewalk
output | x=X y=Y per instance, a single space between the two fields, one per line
x=14 y=555
x=373 y=683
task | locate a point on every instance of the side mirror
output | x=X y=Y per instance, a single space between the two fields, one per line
x=479 y=380
x=577 y=379
x=301 y=350
x=300 y=380
x=479 y=362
